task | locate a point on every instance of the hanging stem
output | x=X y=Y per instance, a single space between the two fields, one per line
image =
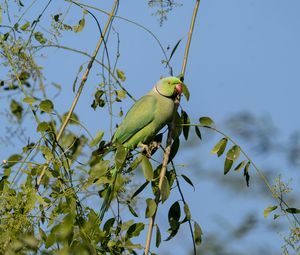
x=82 y=83
x=171 y=130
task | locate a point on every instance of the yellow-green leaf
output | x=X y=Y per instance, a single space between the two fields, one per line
x=121 y=93
x=46 y=106
x=240 y=166
x=121 y=75
x=80 y=26
x=97 y=138
x=151 y=207
x=197 y=233
x=29 y=100
x=269 y=209
x=234 y=153
x=40 y=37
x=43 y=126
x=219 y=148
x=227 y=165
x=135 y=229
x=47 y=152
x=165 y=190
x=206 y=121
x=25 y=26
x=147 y=168
x=120 y=155
x=187 y=211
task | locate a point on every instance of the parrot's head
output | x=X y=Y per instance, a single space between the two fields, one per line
x=169 y=87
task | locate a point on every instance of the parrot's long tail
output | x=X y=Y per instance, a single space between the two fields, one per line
x=120 y=160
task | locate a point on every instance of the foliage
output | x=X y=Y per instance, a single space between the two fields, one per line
x=52 y=188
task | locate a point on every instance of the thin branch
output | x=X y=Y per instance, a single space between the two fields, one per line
x=259 y=172
x=83 y=81
x=96 y=60
x=190 y=34
x=170 y=133
x=134 y=23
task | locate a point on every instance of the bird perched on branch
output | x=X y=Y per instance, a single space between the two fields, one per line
x=142 y=122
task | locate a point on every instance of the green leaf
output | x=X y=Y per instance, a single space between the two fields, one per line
x=12 y=160
x=121 y=75
x=246 y=173
x=121 y=93
x=227 y=165
x=99 y=170
x=147 y=168
x=187 y=211
x=108 y=225
x=174 y=148
x=269 y=209
x=198 y=133
x=276 y=216
x=173 y=50
x=151 y=208
x=165 y=190
x=240 y=166
x=158 y=237
x=185 y=120
x=97 y=138
x=174 y=216
x=29 y=100
x=80 y=26
x=292 y=210
x=140 y=189
x=133 y=212
x=197 y=233
x=43 y=127
x=206 y=121
x=16 y=109
x=120 y=156
x=46 y=152
x=219 y=148
x=188 y=180
x=46 y=106
x=25 y=26
x=135 y=163
x=185 y=92
x=234 y=153
x=40 y=37
x=135 y=230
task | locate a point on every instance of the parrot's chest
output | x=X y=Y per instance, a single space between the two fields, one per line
x=164 y=111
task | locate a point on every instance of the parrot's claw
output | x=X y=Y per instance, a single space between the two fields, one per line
x=150 y=148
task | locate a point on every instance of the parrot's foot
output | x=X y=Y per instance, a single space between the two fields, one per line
x=150 y=148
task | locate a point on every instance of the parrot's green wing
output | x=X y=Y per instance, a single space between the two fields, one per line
x=139 y=116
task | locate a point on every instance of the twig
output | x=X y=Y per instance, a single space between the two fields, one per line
x=170 y=133
x=83 y=81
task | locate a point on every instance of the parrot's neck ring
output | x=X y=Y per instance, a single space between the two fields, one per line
x=172 y=96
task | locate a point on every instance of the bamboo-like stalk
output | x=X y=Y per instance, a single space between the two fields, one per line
x=171 y=130
x=82 y=83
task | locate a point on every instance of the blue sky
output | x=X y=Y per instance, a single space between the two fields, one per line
x=244 y=57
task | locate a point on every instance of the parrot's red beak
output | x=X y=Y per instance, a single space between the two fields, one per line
x=179 y=88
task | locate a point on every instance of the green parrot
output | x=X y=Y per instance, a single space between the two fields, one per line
x=143 y=121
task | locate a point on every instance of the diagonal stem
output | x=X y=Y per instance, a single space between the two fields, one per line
x=82 y=83
x=171 y=130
